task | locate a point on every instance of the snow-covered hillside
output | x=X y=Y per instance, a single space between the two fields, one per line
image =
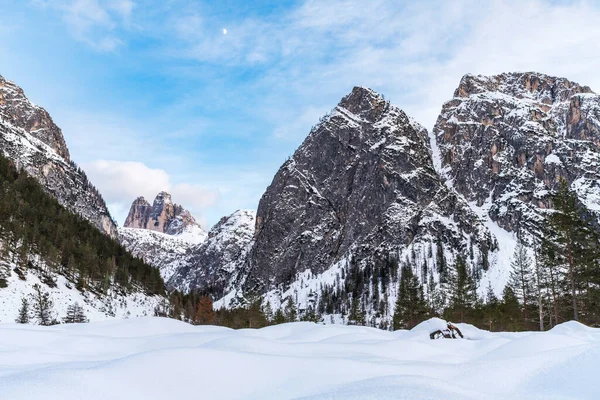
x=166 y=252
x=154 y=358
x=63 y=293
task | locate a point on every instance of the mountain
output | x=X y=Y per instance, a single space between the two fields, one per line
x=506 y=141
x=30 y=138
x=361 y=196
x=55 y=228
x=164 y=216
x=44 y=245
x=215 y=263
x=163 y=234
x=358 y=198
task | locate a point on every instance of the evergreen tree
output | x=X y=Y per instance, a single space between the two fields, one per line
x=75 y=314
x=279 y=317
x=42 y=306
x=522 y=279
x=462 y=290
x=411 y=307
x=290 y=310
x=204 y=311
x=510 y=310
x=23 y=317
x=268 y=312
x=442 y=267
x=578 y=239
x=357 y=314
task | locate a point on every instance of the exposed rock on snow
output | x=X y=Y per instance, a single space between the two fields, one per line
x=509 y=139
x=29 y=138
x=164 y=216
x=216 y=262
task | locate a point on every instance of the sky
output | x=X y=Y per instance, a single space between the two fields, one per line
x=206 y=99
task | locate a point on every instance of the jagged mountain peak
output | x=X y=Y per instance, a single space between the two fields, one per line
x=16 y=109
x=526 y=85
x=163 y=197
x=364 y=103
x=30 y=139
x=163 y=216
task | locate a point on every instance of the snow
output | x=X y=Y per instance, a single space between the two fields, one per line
x=553 y=159
x=156 y=358
x=96 y=307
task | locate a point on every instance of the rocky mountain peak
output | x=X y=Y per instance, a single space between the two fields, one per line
x=361 y=185
x=17 y=110
x=523 y=85
x=507 y=140
x=30 y=139
x=162 y=216
x=364 y=103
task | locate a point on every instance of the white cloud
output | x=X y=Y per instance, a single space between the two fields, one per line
x=94 y=22
x=120 y=182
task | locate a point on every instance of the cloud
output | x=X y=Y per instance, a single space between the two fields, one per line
x=94 y=22
x=120 y=182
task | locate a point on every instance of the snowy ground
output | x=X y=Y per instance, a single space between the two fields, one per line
x=153 y=358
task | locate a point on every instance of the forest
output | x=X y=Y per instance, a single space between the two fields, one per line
x=33 y=224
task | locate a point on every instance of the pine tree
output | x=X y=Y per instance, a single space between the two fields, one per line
x=42 y=306
x=510 y=309
x=268 y=312
x=23 y=317
x=462 y=290
x=442 y=267
x=279 y=318
x=411 y=307
x=522 y=279
x=578 y=239
x=75 y=314
x=357 y=314
x=204 y=311
x=290 y=311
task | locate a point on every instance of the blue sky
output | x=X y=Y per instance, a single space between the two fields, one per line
x=151 y=95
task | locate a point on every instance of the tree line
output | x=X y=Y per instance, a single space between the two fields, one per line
x=554 y=277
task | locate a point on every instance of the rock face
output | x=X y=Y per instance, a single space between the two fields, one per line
x=506 y=141
x=163 y=234
x=162 y=216
x=361 y=185
x=29 y=137
x=216 y=262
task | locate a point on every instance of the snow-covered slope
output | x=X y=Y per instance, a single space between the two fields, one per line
x=113 y=303
x=29 y=138
x=154 y=358
x=166 y=252
x=216 y=262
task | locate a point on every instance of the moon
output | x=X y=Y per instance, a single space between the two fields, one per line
x=224 y=31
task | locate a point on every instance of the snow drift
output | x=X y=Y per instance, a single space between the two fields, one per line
x=154 y=358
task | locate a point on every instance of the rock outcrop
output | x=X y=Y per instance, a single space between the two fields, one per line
x=506 y=141
x=29 y=137
x=162 y=216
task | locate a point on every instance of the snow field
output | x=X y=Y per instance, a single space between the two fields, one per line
x=155 y=358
